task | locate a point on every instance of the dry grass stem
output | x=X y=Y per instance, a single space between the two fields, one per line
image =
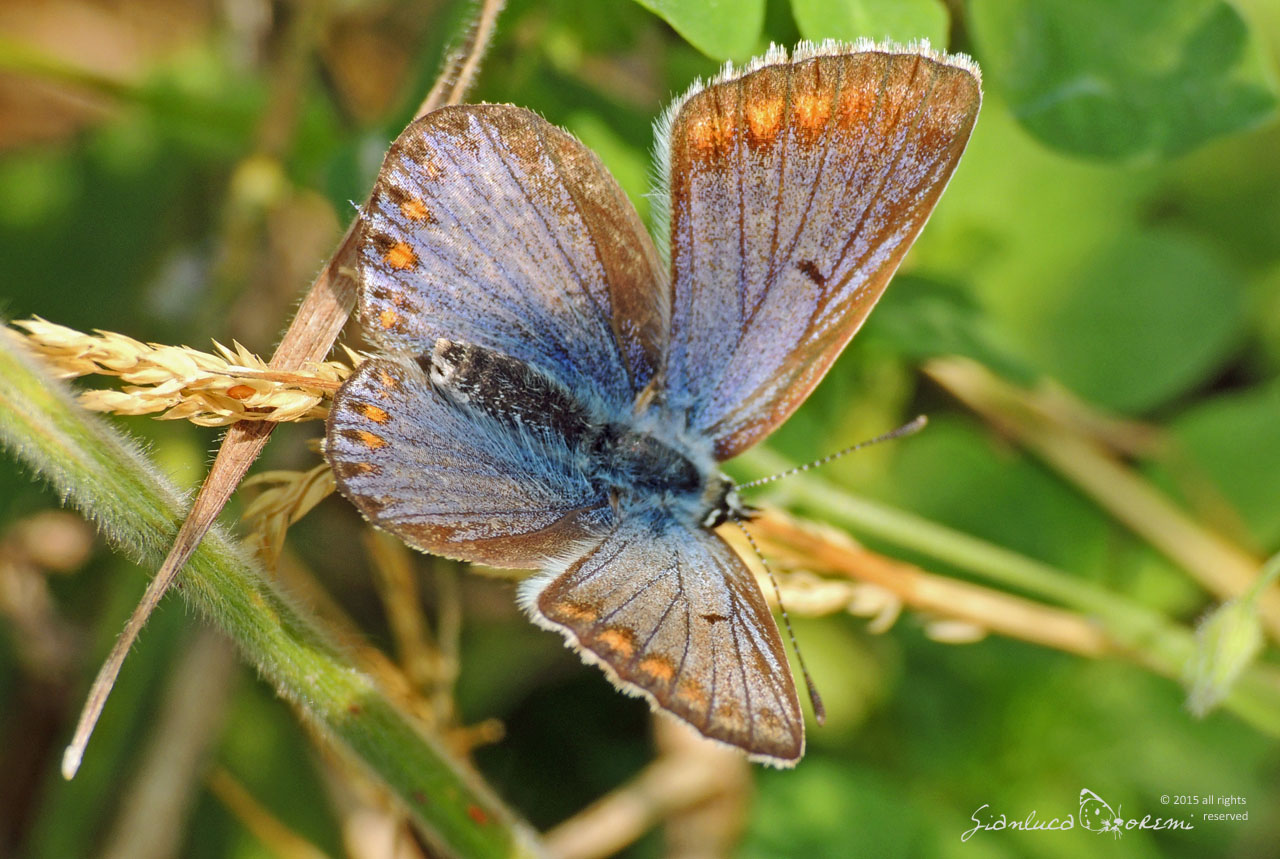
x=695 y=773
x=397 y=584
x=448 y=642
x=159 y=795
x=346 y=633
x=463 y=63
x=713 y=827
x=274 y=835
x=948 y=630
x=391 y=678
x=958 y=611
x=429 y=663
x=373 y=827
x=1127 y=437
x=206 y=388
x=1221 y=567
x=290 y=496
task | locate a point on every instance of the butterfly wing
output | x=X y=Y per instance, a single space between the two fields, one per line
x=673 y=614
x=490 y=226
x=794 y=190
x=454 y=481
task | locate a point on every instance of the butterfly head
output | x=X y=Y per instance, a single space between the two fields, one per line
x=722 y=503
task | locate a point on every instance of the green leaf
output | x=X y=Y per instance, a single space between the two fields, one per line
x=1135 y=323
x=940 y=472
x=921 y=318
x=1233 y=438
x=1124 y=78
x=827 y=803
x=897 y=20
x=721 y=29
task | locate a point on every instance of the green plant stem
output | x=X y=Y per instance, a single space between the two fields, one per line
x=1269 y=575
x=111 y=481
x=1147 y=637
x=1216 y=564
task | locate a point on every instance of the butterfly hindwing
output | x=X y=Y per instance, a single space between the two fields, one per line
x=451 y=480
x=491 y=226
x=671 y=612
x=794 y=190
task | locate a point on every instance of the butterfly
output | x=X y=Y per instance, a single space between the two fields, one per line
x=552 y=389
x=1097 y=816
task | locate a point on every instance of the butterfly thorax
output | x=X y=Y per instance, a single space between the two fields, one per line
x=632 y=464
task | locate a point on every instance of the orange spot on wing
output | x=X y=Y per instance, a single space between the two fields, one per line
x=811 y=111
x=764 y=119
x=575 y=612
x=730 y=714
x=658 y=667
x=769 y=718
x=239 y=392
x=388 y=318
x=854 y=107
x=620 y=641
x=388 y=381
x=401 y=256
x=691 y=692
x=707 y=135
x=370 y=440
x=373 y=413
x=416 y=210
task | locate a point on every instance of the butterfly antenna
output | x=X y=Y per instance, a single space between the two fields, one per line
x=815 y=700
x=910 y=428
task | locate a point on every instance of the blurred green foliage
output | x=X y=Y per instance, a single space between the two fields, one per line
x=1115 y=226
x=1142 y=78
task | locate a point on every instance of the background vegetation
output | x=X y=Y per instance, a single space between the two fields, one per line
x=1108 y=255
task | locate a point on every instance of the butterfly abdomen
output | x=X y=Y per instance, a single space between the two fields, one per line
x=507 y=390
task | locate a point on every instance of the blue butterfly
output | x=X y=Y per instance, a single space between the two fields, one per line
x=554 y=390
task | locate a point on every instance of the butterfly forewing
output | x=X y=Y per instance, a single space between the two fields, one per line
x=794 y=191
x=490 y=226
x=673 y=613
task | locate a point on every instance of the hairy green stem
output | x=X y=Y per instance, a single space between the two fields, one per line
x=111 y=481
